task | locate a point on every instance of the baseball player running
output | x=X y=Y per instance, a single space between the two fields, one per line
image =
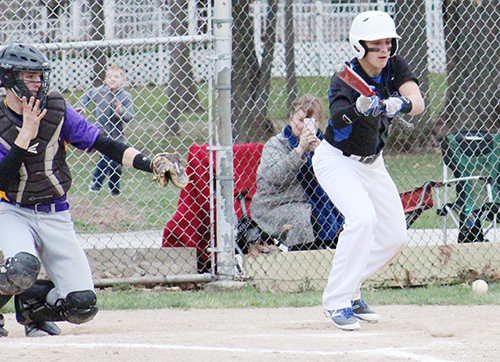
x=349 y=165
x=36 y=225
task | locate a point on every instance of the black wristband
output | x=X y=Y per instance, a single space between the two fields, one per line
x=407 y=105
x=142 y=163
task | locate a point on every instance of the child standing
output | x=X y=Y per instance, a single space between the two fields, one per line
x=113 y=108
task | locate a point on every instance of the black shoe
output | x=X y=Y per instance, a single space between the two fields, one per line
x=41 y=329
x=3 y=331
x=115 y=192
x=363 y=312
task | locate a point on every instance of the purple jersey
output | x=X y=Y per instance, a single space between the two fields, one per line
x=76 y=130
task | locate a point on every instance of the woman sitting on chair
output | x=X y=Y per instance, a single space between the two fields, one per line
x=287 y=190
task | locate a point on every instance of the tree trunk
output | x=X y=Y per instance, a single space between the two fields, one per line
x=410 y=25
x=473 y=66
x=181 y=89
x=250 y=80
x=291 y=79
x=97 y=32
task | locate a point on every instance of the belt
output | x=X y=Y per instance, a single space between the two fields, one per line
x=44 y=208
x=363 y=159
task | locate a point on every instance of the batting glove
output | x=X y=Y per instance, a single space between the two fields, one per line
x=368 y=105
x=395 y=105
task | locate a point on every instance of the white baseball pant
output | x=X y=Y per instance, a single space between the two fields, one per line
x=375 y=227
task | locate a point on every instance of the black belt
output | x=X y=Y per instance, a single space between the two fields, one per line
x=44 y=208
x=363 y=159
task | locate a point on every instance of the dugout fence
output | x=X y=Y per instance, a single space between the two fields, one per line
x=215 y=77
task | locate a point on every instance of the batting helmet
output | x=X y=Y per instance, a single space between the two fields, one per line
x=372 y=25
x=15 y=58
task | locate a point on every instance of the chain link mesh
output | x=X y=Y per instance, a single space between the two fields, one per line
x=164 y=49
x=282 y=49
x=285 y=49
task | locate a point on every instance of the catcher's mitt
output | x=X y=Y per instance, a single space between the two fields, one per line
x=167 y=167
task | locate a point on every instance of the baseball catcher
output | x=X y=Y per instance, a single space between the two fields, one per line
x=36 y=226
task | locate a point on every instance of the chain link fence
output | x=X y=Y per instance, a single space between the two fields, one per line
x=166 y=52
x=281 y=50
x=298 y=44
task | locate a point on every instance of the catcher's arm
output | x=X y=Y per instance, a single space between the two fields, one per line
x=164 y=166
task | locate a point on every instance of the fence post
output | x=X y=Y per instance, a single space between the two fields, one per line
x=224 y=176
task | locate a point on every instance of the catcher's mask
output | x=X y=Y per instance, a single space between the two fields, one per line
x=16 y=58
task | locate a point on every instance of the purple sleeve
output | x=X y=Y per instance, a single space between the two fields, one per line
x=78 y=131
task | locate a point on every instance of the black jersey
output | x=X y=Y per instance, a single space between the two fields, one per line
x=356 y=134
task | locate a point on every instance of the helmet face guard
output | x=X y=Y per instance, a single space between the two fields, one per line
x=372 y=25
x=17 y=58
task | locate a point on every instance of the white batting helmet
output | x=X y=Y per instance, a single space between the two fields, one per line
x=372 y=25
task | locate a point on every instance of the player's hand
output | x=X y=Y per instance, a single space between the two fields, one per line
x=32 y=116
x=394 y=105
x=369 y=105
x=80 y=110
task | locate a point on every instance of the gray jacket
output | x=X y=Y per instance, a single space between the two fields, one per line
x=105 y=114
x=280 y=198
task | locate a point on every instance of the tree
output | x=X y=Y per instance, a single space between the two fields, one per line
x=97 y=32
x=413 y=46
x=181 y=89
x=291 y=79
x=473 y=66
x=251 y=79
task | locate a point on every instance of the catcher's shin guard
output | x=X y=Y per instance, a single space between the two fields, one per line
x=31 y=306
x=18 y=273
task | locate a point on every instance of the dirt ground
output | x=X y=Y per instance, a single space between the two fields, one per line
x=404 y=333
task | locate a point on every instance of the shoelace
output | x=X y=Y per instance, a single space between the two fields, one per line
x=345 y=313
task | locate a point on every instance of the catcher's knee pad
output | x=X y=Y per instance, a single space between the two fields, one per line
x=81 y=306
x=31 y=306
x=18 y=273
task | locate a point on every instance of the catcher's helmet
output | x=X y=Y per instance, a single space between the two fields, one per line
x=372 y=25
x=15 y=58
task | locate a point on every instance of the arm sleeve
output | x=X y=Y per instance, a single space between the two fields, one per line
x=110 y=148
x=402 y=73
x=115 y=150
x=10 y=165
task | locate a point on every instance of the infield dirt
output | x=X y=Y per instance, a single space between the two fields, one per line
x=404 y=333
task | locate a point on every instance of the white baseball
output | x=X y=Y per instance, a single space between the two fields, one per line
x=479 y=287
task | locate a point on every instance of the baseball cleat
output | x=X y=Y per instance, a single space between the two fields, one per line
x=363 y=312
x=3 y=331
x=41 y=329
x=343 y=319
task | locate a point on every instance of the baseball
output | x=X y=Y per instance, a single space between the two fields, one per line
x=479 y=287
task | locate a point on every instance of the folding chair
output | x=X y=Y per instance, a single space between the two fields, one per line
x=416 y=201
x=474 y=160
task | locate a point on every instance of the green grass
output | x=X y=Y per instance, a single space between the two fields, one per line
x=140 y=298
